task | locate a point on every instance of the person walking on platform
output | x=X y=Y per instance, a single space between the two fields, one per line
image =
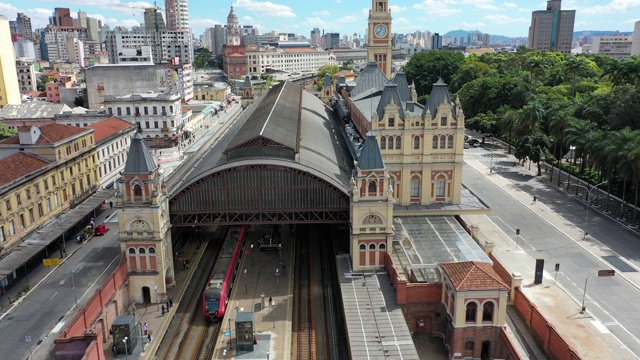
x=270 y=301
x=162 y=308
x=284 y=269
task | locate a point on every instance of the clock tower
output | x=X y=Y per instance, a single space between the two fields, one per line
x=379 y=36
x=145 y=230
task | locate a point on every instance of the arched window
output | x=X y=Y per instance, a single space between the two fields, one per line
x=141 y=251
x=383 y=142
x=372 y=246
x=152 y=250
x=363 y=247
x=392 y=122
x=382 y=246
x=435 y=142
x=398 y=142
x=470 y=315
x=390 y=142
x=416 y=142
x=372 y=187
x=487 y=311
x=137 y=190
x=468 y=345
x=443 y=140
x=132 y=251
x=450 y=142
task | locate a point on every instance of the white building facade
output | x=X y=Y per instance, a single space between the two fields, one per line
x=260 y=58
x=616 y=46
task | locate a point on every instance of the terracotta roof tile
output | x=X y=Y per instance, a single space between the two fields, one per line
x=18 y=165
x=108 y=127
x=473 y=275
x=51 y=134
x=185 y=110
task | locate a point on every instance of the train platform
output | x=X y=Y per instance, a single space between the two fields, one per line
x=257 y=282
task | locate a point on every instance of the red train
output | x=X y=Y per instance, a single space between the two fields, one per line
x=216 y=293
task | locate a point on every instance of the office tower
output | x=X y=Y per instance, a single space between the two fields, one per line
x=177 y=14
x=61 y=17
x=552 y=29
x=9 y=88
x=315 y=35
x=81 y=20
x=635 y=40
x=23 y=23
x=436 y=41
x=332 y=40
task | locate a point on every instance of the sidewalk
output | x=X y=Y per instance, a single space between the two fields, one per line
x=580 y=331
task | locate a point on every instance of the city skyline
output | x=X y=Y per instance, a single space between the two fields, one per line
x=508 y=18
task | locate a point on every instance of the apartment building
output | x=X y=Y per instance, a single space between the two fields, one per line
x=552 y=29
x=9 y=89
x=262 y=59
x=112 y=136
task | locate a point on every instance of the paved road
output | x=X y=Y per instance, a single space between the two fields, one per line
x=51 y=305
x=611 y=300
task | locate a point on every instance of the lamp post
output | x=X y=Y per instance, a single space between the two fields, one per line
x=586 y=218
x=126 y=348
x=237 y=309
x=73 y=284
x=277 y=280
x=491 y=150
x=157 y=302
x=245 y=281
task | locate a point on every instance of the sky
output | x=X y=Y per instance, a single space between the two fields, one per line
x=509 y=18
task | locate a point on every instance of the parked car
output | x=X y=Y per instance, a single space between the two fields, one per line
x=473 y=142
x=100 y=230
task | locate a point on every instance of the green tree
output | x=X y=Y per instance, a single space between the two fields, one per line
x=425 y=68
x=579 y=66
x=41 y=84
x=5 y=132
x=534 y=147
x=468 y=73
x=327 y=69
x=78 y=101
x=486 y=94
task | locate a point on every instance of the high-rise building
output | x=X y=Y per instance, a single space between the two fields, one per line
x=9 y=89
x=177 y=14
x=153 y=20
x=61 y=17
x=23 y=24
x=315 y=35
x=25 y=49
x=552 y=29
x=332 y=40
x=436 y=41
x=635 y=40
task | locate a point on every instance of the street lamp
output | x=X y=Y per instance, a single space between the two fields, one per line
x=157 y=302
x=491 y=150
x=126 y=348
x=245 y=281
x=586 y=219
x=277 y=278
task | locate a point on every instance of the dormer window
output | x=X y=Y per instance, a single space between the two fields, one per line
x=137 y=191
x=392 y=122
x=443 y=121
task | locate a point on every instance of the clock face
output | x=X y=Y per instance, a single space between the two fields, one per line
x=380 y=31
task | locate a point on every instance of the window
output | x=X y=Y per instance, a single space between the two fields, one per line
x=55 y=200
x=383 y=142
x=53 y=180
x=152 y=250
x=487 y=311
x=141 y=251
x=31 y=220
x=2 y=234
x=382 y=246
x=137 y=190
x=443 y=140
x=443 y=121
x=7 y=203
x=12 y=228
x=415 y=187
x=132 y=251
x=470 y=315
x=440 y=184
x=372 y=187
x=416 y=142
x=40 y=210
x=362 y=246
x=48 y=203
x=372 y=246
x=19 y=199
x=398 y=142
x=468 y=346
x=450 y=142
x=46 y=184
x=392 y=122
x=22 y=220
x=434 y=144
x=146 y=110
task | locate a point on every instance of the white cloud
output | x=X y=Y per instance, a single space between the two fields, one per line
x=630 y=21
x=8 y=10
x=321 y=13
x=615 y=6
x=348 y=19
x=266 y=8
x=248 y=20
x=401 y=21
x=397 y=9
x=315 y=22
x=474 y=26
x=480 y=4
x=504 y=19
x=511 y=5
x=435 y=8
x=203 y=23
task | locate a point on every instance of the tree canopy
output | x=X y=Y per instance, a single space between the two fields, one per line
x=425 y=68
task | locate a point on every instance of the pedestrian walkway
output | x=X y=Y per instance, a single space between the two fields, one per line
x=258 y=284
x=581 y=331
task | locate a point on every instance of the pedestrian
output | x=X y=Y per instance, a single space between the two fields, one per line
x=149 y=337
x=534 y=199
x=184 y=264
x=171 y=301
x=160 y=153
x=187 y=264
x=270 y=301
x=168 y=306
x=115 y=350
x=111 y=204
x=162 y=308
x=284 y=269
x=146 y=329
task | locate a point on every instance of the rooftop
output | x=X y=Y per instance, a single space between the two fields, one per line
x=32 y=110
x=105 y=128
x=18 y=165
x=473 y=275
x=49 y=134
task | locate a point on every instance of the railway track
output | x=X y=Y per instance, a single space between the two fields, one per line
x=190 y=336
x=316 y=330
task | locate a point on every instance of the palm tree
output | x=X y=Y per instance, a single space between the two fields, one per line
x=537 y=65
x=577 y=66
x=508 y=119
x=634 y=159
x=576 y=133
x=594 y=146
x=559 y=116
x=529 y=119
x=622 y=144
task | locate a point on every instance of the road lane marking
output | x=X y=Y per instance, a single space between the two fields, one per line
x=52 y=296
